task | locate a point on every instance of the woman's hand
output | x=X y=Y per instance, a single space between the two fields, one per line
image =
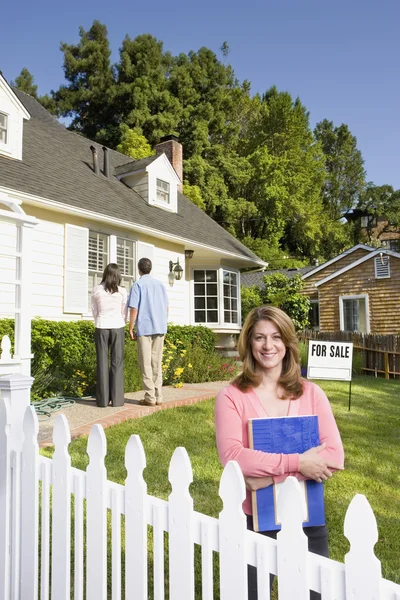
x=257 y=483
x=314 y=466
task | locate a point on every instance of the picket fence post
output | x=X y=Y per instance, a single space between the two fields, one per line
x=292 y=544
x=61 y=511
x=30 y=508
x=96 y=516
x=5 y=499
x=363 y=569
x=180 y=510
x=135 y=521
x=232 y=531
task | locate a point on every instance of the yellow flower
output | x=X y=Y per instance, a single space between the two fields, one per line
x=190 y=366
x=178 y=385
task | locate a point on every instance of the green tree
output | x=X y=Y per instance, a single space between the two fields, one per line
x=345 y=174
x=283 y=292
x=133 y=143
x=380 y=201
x=193 y=192
x=25 y=83
x=89 y=96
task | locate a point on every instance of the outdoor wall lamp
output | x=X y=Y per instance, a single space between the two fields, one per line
x=175 y=272
x=189 y=254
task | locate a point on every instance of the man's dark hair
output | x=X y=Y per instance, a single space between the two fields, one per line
x=111 y=278
x=144 y=266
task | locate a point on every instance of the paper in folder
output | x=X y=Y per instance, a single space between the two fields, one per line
x=285 y=435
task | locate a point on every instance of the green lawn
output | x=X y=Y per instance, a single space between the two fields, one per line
x=371 y=437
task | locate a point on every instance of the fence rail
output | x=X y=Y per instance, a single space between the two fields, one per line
x=380 y=353
x=106 y=513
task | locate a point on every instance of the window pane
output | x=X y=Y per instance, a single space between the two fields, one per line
x=227 y=291
x=212 y=302
x=162 y=190
x=199 y=302
x=199 y=316
x=198 y=276
x=227 y=316
x=227 y=278
x=234 y=279
x=234 y=304
x=227 y=303
x=211 y=275
x=212 y=316
x=3 y=120
x=212 y=289
x=199 y=289
x=234 y=317
x=230 y=297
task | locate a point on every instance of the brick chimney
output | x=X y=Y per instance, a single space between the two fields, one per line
x=173 y=149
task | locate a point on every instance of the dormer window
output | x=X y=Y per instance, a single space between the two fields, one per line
x=3 y=128
x=163 y=191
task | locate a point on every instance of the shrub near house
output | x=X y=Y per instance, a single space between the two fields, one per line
x=64 y=360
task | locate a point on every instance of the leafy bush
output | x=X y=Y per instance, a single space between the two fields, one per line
x=64 y=362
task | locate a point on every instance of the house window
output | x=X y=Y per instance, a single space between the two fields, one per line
x=393 y=245
x=354 y=314
x=205 y=296
x=3 y=128
x=126 y=261
x=382 y=266
x=313 y=315
x=230 y=297
x=97 y=258
x=162 y=191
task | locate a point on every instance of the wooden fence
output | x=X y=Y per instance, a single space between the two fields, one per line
x=380 y=353
x=62 y=531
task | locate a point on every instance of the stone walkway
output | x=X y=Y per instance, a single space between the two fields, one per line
x=84 y=413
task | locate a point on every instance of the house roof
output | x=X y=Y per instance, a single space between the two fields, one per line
x=57 y=167
x=134 y=165
x=257 y=277
x=356 y=263
x=338 y=257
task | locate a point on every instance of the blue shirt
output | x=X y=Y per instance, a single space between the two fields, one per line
x=149 y=296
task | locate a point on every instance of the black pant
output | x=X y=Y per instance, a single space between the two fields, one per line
x=110 y=376
x=317 y=543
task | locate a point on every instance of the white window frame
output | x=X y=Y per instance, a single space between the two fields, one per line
x=5 y=129
x=220 y=324
x=376 y=261
x=130 y=279
x=96 y=272
x=234 y=272
x=163 y=192
x=355 y=297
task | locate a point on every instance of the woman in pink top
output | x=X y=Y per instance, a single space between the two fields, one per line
x=270 y=385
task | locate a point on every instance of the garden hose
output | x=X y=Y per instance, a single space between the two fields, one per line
x=44 y=408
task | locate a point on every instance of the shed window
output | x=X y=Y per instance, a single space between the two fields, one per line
x=382 y=267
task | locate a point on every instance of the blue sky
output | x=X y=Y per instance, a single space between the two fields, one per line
x=341 y=58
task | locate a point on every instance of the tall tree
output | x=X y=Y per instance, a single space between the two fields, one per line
x=25 y=83
x=88 y=97
x=345 y=174
x=382 y=204
x=133 y=143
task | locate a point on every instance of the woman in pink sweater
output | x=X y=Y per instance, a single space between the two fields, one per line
x=270 y=386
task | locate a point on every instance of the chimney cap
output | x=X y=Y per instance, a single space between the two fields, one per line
x=169 y=138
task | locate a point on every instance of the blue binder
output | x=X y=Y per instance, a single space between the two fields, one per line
x=285 y=435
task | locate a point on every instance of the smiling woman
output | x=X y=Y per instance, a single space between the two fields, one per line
x=270 y=386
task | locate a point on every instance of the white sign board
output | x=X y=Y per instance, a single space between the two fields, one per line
x=329 y=360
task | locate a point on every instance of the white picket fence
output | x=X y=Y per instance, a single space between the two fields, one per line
x=36 y=518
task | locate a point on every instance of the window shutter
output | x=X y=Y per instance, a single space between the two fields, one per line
x=145 y=251
x=382 y=267
x=76 y=269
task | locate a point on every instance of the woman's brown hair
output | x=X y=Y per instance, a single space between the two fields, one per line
x=290 y=380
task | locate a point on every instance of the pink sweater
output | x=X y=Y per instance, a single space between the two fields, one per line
x=234 y=408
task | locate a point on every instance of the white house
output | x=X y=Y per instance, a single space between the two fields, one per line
x=92 y=206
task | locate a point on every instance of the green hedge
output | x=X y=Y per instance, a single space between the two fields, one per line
x=64 y=360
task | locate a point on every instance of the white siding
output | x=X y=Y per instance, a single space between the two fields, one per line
x=178 y=294
x=13 y=147
x=8 y=268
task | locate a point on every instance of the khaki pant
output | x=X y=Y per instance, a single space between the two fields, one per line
x=150 y=350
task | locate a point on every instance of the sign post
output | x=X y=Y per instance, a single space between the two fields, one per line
x=330 y=360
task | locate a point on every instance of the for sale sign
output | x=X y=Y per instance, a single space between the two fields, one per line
x=329 y=360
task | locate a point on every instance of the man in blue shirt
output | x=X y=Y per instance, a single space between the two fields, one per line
x=148 y=305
